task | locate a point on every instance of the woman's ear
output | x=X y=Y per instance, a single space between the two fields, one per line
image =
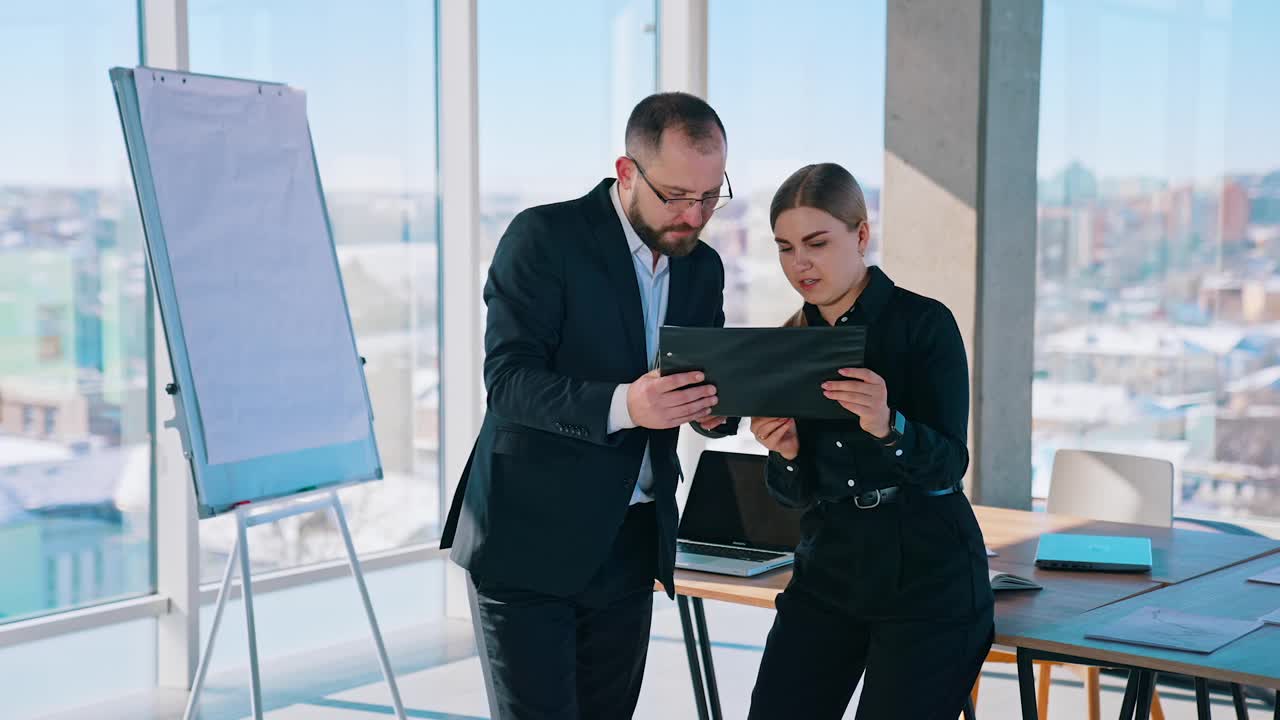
x=864 y=237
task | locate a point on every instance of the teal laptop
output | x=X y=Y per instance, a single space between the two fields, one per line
x=1060 y=551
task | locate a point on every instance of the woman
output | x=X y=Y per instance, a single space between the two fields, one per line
x=891 y=573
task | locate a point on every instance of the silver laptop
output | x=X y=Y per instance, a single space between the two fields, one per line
x=731 y=524
x=1059 y=551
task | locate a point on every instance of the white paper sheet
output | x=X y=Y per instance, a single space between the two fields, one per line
x=258 y=292
x=1270 y=577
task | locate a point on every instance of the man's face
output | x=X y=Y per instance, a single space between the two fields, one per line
x=681 y=172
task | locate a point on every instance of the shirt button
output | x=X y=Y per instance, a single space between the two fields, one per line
x=790 y=469
x=850 y=483
x=844 y=319
x=839 y=444
x=898 y=453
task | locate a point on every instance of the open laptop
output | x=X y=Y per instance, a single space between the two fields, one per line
x=731 y=524
x=1060 y=551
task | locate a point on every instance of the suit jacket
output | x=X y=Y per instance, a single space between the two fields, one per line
x=546 y=488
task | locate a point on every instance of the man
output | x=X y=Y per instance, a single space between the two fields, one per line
x=566 y=512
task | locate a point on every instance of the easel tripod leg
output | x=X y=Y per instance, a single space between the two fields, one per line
x=383 y=660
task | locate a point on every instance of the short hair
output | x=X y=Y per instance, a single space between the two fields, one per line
x=672 y=110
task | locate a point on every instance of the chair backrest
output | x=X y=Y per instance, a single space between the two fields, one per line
x=1112 y=487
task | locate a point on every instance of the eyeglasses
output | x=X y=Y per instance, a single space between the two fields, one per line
x=679 y=205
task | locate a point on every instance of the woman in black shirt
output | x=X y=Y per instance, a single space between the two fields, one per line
x=891 y=574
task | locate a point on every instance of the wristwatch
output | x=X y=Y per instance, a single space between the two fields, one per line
x=897 y=427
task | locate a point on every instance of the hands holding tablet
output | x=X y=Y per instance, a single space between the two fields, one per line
x=661 y=403
x=864 y=395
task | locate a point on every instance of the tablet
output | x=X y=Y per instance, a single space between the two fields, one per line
x=766 y=372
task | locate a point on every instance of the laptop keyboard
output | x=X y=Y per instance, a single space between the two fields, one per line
x=726 y=552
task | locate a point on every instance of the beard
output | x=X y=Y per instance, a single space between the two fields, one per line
x=661 y=239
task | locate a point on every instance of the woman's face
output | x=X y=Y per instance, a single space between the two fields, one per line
x=822 y=258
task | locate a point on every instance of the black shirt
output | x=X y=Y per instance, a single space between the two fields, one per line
x=913 y=342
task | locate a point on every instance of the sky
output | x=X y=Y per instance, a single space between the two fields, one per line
x=1159 y=88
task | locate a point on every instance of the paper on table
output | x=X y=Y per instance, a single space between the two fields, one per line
x=1270 y=577
x=1175 y=630
x=1008 y=581
x=267 y=334
x=1271 y=618
x=992 y=553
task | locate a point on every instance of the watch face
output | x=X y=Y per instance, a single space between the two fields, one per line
x=899 y=422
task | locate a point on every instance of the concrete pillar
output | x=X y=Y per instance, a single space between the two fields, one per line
x=959 y=204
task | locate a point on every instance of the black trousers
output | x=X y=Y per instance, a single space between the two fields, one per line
x=900 y=593
x=916 y=669
x=579 y=657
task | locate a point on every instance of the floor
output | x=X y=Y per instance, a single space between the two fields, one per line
x=439 y=678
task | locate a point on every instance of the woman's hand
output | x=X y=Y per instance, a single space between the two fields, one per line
x=777 y=434
x=711 y=423
x=864 y=395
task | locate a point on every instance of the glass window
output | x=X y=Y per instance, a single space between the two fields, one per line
x=794 y=84
x=75 y=471
x=534 y=147
x=1158 y=256
x=369 y=73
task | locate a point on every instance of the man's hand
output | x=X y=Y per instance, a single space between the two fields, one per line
x=662 y=403
x=864 y=395
x=778 y=435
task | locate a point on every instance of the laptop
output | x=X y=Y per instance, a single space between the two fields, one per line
x=1094 y=552
x=731 y=524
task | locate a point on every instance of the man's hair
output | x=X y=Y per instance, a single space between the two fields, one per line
x=673 y=111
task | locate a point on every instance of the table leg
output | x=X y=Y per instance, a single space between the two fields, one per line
x=968 y=709
x=1146 y=689
x=1202 y=700
x=1027 y=685
x=1237 y=698
x=708 y=667
x=1130 y=695
x=1278 y=705
x=690 y=647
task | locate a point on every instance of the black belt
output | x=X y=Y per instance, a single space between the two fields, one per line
x=881 y=496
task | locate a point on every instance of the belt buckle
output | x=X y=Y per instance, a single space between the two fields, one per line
x=857 y=502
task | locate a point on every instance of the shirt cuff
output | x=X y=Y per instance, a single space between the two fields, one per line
x=783 y=465
x=619 y=415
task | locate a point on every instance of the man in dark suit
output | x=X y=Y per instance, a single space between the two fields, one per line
x=566 y=512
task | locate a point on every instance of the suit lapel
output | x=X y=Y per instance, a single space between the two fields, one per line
x=612 y=249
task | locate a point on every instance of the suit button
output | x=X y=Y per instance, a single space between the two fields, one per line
x=839 y=444
x=850 y=482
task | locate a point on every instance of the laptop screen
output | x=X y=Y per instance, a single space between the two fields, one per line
x=729 y=505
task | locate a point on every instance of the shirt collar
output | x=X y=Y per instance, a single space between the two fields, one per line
x=633 y=240
x=875 y=296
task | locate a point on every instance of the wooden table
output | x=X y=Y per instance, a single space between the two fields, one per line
x=1253 y=659
x=1179 y=555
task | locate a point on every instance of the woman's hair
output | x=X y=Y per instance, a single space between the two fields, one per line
x=826 y=187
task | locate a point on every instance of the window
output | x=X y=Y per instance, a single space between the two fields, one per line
x=49 y=331
x=535 y=147
x=1158 y=269
x=74 y=439
x=369 y=73
x=796 y=84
